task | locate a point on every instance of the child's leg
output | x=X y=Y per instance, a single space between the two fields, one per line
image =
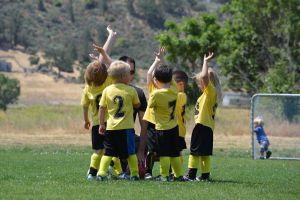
x=104 y=164
x=95 y=162
x=176 y=166
x=193 y=166
x=133 y=165
x=117 y=166
x=164 y=165
x=205 y=166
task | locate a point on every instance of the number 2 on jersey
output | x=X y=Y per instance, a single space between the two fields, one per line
x=119 y=100
x=172 y=104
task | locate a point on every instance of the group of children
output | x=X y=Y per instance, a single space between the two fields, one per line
x=114 y=104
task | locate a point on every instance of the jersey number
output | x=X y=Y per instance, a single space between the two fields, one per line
x=214 y=110
x=119 y=100
x=172 y=104
x=97 y=99
x=182 y=113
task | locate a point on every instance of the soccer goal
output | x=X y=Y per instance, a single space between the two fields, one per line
x=281 y=118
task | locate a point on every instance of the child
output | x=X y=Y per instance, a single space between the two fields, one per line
x=262 y=138
x=118 y=100
x=162 y=103
x=96 y=80
x=202 y=136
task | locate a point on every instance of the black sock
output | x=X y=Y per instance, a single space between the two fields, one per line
x=205 y=175
x=93 y=171
x=192 y=173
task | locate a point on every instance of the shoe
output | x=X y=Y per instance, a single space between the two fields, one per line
x=134 y=178
x=187 y=178
x=148 y=176
x=90 y=177
x=180 y=178
x=171 y=177
x=261 y=157
x=101 y=178
x=268 y=154
x=124 y=176
x=162 y=178
x=202 y=179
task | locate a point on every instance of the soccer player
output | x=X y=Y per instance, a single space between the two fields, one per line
x=96 y=80
x=118 y=100
x=162 y=104
x=262 y=138
x=202 y=136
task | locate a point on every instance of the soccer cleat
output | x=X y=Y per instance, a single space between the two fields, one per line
x=171 y=177
x=101 y=178
x=90 y=177
x=148 y=176
x=187 y=178
x=202 y=179
x=268 y=154
x=162 y=178
x=261 y=157
x=134 y=178
x=124 y=176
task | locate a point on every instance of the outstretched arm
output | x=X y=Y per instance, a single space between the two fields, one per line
x=109 y=42
x=204 y=71
x=159 y=58
x=105 y=57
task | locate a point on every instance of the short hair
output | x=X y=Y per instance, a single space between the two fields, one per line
x=128 y=59
x=179 y=75
x=259 y=120
x=95 y=73
x=163 y=73
x=118 y=69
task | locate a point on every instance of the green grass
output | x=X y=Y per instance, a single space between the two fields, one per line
x=59 y=172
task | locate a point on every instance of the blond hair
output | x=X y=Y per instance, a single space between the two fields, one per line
x=259 y=120
x=214 y=78
x=95 y=73
x=118 y=69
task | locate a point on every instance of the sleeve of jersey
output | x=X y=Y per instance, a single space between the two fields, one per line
x=103 y=99
x=151 y=102
x=84 y=98
x=151 y=87
x=136 y=99
x=210 y=90
x=143 y=101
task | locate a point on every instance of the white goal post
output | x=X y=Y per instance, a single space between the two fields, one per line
x=281 y=116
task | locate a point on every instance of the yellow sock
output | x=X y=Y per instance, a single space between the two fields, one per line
x=133 y=165
x=95 y=160
x=176 y=166
x=164 y=165
x=205 y=164
x=117 y=166
x=104 y=164
x=193 y=162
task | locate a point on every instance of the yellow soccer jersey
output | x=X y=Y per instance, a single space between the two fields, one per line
x=91 y=96
x=149 y=113
x=180 y=111
x=206 y=106
x=119 y=99
x=163 y=102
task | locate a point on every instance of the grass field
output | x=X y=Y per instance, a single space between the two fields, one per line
x=45 y=153
x=59 y=172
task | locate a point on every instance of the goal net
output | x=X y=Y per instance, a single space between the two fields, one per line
x=281 y=117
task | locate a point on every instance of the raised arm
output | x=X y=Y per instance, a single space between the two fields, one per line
x=204 y=71
x=108 y=43
x=105 y=57
x=159 y=58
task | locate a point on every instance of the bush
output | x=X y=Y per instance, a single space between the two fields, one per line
x=9 y=91
x=34 y=60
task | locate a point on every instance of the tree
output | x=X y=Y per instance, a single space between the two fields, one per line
x=9 y=91
x=260 y=47
x=188 y=41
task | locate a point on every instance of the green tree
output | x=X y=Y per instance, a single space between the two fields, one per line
x=186 y=42
x=9 y=91
x=260 y=47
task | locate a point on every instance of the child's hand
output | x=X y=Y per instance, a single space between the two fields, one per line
x=160 y=54
x=110 y=31
x=102 y=129
x=87 y=125
x=93 y=57
x=98 y=49
x=210 y=55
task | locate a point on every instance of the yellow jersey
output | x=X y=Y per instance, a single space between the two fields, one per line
x=91 y=96
x=180 y=111
x=119 y=99
x=206 y=106
x=163 y=102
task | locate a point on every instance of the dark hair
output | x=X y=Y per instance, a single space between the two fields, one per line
x=128 y=59
x=163 y=73
x=180 y=75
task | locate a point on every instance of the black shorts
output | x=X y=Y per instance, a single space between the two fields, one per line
x=119 y=143
x=202 y=141
x=152 y=140
x=181 y=143
x=168 y=142
x=97 y=139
